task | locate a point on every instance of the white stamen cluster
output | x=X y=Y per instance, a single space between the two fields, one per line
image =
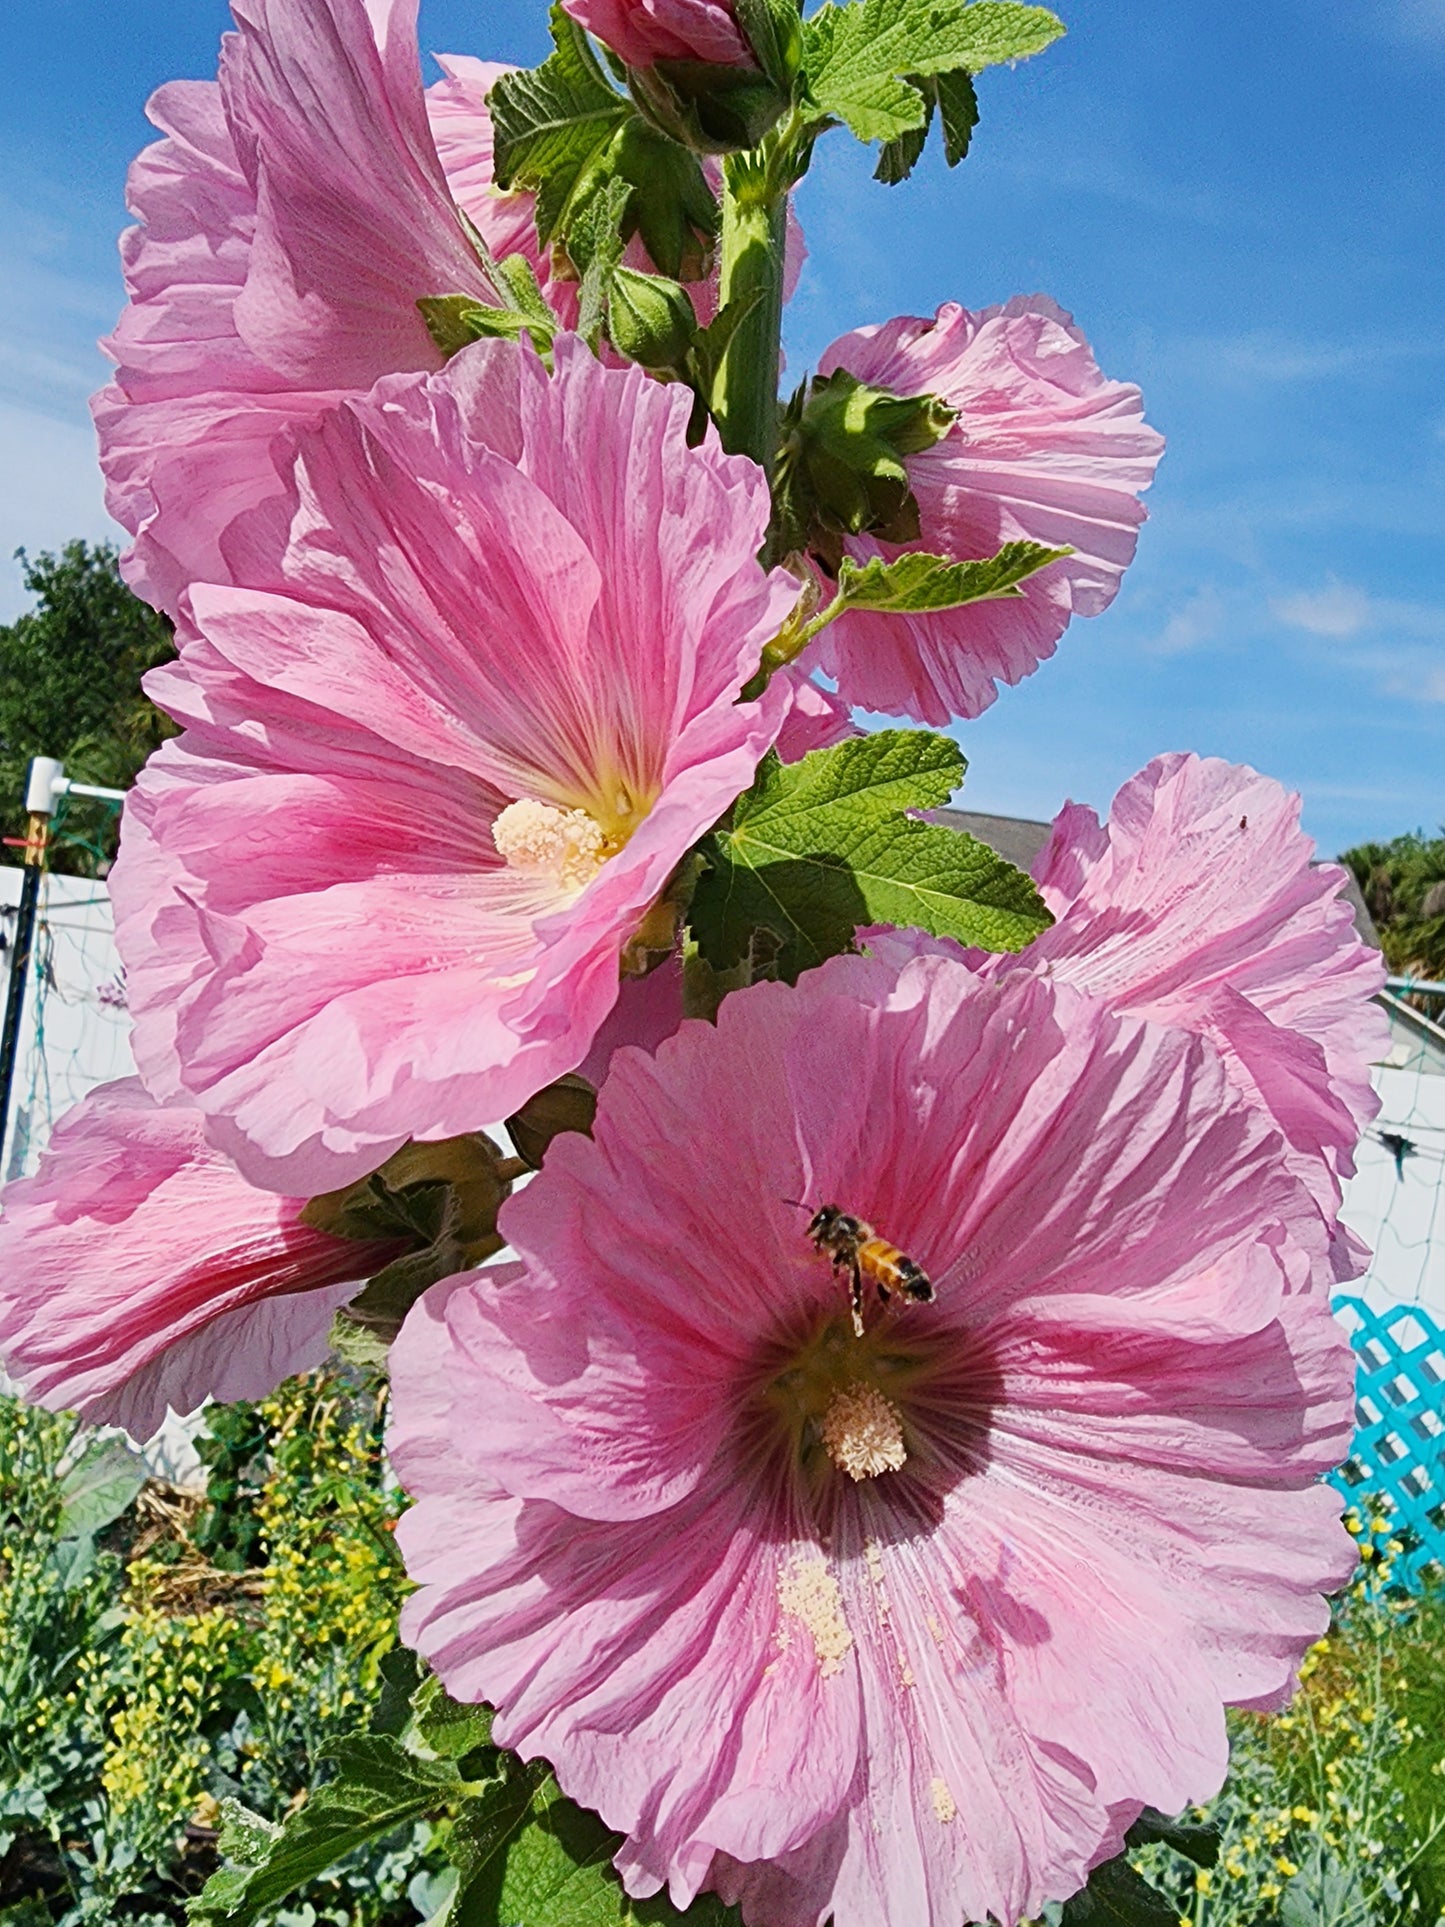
x=541 y=839
x=863 y=1432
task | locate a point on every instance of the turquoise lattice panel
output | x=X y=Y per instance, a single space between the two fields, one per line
x=1399 y=1448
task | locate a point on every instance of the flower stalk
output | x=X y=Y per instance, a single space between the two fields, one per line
x=754 y=229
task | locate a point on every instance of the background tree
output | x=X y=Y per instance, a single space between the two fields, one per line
x=1404 y=886
x=70 y=671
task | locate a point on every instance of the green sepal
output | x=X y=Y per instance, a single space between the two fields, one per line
x=774 y=31
x=707 y=108
x=840 y=468
x=817 y=848
x=595 y=247
x=650 y=319
x=519 y=276
x=913 y=583
x=952 y=100
x=454 y=320
x=439 y=1201
x=672 y=209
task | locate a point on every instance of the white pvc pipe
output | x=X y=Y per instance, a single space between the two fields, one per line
x=45 y=782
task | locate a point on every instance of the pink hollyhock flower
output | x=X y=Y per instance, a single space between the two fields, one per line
x=902 y=1627
x=138 y=1270
x=292 y=217
x=1197 y=904
x=1045 y=449
x=474 y=702
x=643 y=32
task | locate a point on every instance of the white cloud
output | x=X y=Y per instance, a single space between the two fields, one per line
x=50 y=491
x=1422 y=19
x=1339 y=609
x=1195 y=622
x=1265 y=357
x=1400 y=644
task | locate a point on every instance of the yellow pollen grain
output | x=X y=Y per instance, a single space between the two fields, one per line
x=808 y=1592
x=540 y=839
x=863 y=1433
x=944 y=1804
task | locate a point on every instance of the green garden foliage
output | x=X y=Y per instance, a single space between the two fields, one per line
x=161 y=1654
x=70 y=671
x=203 y=1692
x=1403 y=883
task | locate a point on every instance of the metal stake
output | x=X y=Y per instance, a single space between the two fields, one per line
x=45 y=776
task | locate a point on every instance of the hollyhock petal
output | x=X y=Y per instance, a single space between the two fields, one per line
x=1045 y=449
x=291 y=217
x=461 y=126
x=1198 y=903
x=486 y=588
x=648 y=1009
x=643 y=32
x=818 y=719
x=139 y=1271
x=987 y=1572
x=354 y=219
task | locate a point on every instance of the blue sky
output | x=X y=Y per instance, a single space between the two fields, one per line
x=1243 y=206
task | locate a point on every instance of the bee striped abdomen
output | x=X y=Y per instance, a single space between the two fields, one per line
x=895 y=1274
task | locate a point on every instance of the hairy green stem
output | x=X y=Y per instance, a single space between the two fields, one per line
x=754 y=231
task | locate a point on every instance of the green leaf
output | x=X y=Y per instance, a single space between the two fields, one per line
x=1196 y=1840
x=553 y=125
x=379 y=1787
x=819 y=847
x=401 y=1677
x=527 y=1854
x=246 y=1838
x=916 y=582
x=957 y=104
x=98 y=1487
x=1116 y=1896
x=952 y=98
x=447 y=1727
x=859 y=56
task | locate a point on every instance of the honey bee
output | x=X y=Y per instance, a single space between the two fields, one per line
x=854 y=1248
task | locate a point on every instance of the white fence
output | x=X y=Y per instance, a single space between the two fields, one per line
x=74 y=1031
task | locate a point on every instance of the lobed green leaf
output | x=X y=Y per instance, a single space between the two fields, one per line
x=1196 y=1840
x=1116 y=1896
x=859 y=56
x=379 y=1787
x=817 y=848
x=952 y=100
x=552 y=126
x=917 y=582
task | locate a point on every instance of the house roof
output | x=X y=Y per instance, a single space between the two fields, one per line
x=1020 y=838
